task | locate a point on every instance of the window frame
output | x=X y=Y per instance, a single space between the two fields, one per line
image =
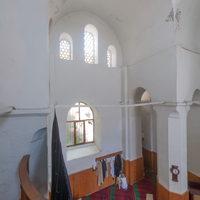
x=84 y=122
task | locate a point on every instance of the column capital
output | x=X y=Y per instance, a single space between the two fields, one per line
x=183 y=109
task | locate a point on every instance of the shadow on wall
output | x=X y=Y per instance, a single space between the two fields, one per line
x=193 y=136
x=38 y=161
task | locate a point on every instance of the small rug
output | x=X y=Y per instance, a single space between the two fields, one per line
x=143 y=190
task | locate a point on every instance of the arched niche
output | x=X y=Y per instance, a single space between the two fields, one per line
x=141 y=95
x=145 y=129
x=196 y=95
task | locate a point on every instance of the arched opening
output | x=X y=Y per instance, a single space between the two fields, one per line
x=91 y=44
x=80 y=125
x=146 y=129
x=111 y=56
x=66 y=47
x=193 y=138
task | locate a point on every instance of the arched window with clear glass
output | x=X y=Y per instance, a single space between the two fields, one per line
x=80 y=125
x=91 y=44
x=66 y=47
x=111 y=56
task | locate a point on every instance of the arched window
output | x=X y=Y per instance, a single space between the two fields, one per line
x=111 y=56
x=91 y=44
x=66 y=47
x=80 y=125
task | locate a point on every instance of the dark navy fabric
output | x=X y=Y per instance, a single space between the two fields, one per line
x=117 y=165
x=104 y=168
x=60 y=185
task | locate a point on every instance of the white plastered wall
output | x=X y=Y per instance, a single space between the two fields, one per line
x=157 y=75
x=24 y=70
x=188 y=70
x=16 y=133
x=24 y=83
x=193 y=140
x=75 y=81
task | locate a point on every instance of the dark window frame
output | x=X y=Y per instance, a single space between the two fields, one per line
x=75 y=122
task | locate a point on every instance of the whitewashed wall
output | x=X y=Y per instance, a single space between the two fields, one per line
x=188 y=71
x=16 y=133
x=24 y=83
x=75 y=81
x=149 y=129
x=193 y=140
x=189 y=25
x=24 y=53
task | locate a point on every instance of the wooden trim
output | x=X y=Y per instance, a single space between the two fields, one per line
x=28 y=190
x=108 y=156
x=134 y=170
x=193 y=177
x=74 y=145
x=150 y=160
x=164 y=194
x=84 y=131
x=85 y=182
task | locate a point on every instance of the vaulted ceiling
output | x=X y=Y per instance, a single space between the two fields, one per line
x=138 y=24
x=123 y=16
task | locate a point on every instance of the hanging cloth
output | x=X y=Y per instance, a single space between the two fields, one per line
x=60 y=185
x=118 y=165
x=99 y=173
x=104 y=169
x=112 y=167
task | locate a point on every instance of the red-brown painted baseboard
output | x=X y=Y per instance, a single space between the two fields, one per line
x=164 y=194
x=134 y=170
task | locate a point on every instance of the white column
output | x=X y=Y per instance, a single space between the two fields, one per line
x=177 y=148
x=162 y=113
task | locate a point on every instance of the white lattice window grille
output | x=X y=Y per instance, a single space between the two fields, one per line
x=91 y=44
x=111 y=56
x=65 y=50
x=66 y=47
x=89 y=48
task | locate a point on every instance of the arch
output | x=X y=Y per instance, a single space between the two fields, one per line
x=66 y=47
x=141 y=95
x=111 y=56
x=144 y=124
x=80 y=124
x=91 y=44
x=196 y=95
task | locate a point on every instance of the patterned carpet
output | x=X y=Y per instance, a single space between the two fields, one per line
x=136 y=192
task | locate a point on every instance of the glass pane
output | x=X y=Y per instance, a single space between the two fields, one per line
x=79 y=132
x=73 y=114
x=70 y=133
x=89 y=128
x=86 y=113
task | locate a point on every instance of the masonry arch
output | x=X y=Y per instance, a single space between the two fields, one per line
x=146 y=129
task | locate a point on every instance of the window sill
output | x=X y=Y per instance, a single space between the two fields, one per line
x=81 y=151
